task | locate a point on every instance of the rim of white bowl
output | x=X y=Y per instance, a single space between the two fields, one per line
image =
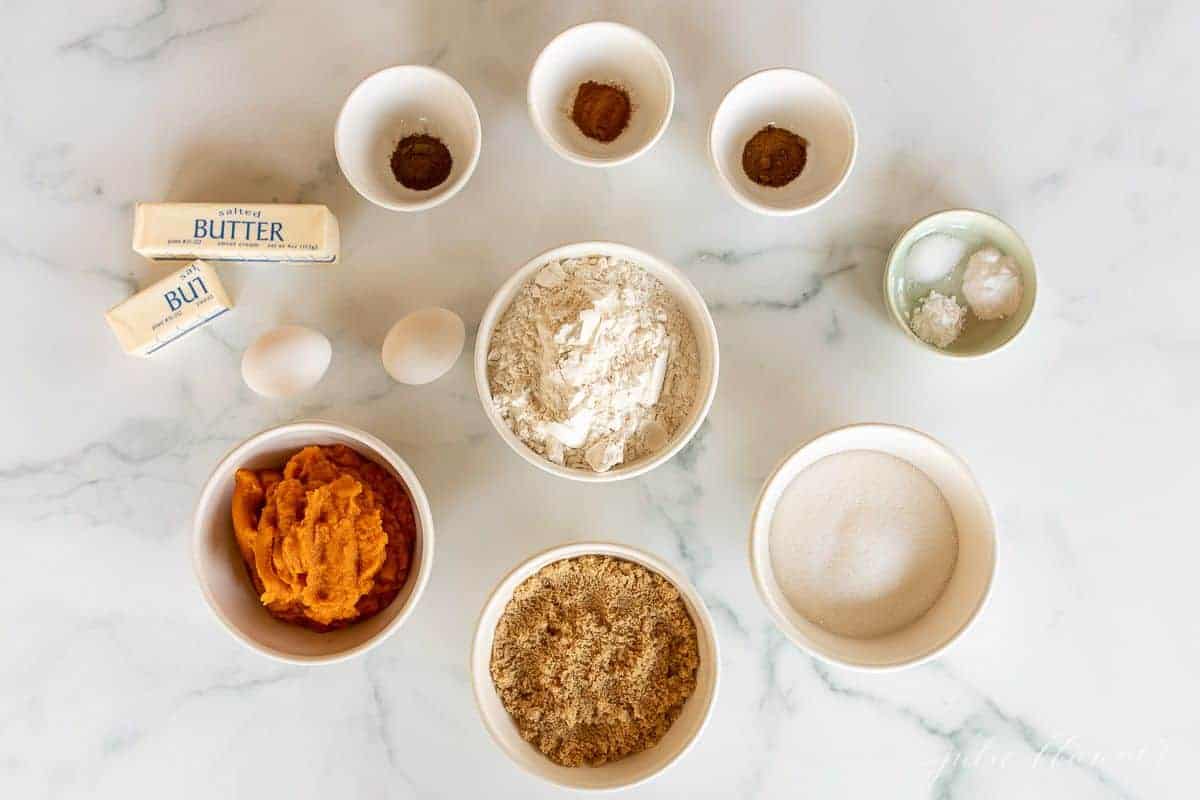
x=774 y=211
x=421 y=506
x=438 y=197
x=561 y=552
x=596 y=161
x=890 y=266
x=781 y=621
x=499 y=304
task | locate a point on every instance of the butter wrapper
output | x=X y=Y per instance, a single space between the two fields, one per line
x=236 y=232
x=169 y=309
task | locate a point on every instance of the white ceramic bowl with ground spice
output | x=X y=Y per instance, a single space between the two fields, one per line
x=630 y=770
x=964 y=596
x=395 y=103
x=685 y=295
x=607 y=53
x=222 y=574
x=801 y=103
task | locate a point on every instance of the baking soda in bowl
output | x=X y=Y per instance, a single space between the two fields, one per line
x=862 y=543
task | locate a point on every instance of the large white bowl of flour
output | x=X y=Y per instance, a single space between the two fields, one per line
x=695 y=405
x=873 y=547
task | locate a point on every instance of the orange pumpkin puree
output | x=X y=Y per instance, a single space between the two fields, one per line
x=328 y=540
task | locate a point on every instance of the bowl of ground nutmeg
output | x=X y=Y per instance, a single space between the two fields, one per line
x=408 y=138
x=594 y=666
x=782 y=142
x=601 y=94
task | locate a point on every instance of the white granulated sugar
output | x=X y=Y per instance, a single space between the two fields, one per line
x=862 y=543
x=992 y=284
x=593 y=364
x=933 y=257
x=939 y=319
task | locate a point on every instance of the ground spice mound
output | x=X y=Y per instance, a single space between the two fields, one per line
x=594 y=658
x=327 y=541
x=601 y=111
x=774 y=156
x=421 y=162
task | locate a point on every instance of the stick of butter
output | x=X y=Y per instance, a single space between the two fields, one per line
x=236 y=232
x=161 y=313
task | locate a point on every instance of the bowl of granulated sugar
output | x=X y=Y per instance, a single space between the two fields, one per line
x=873 y=547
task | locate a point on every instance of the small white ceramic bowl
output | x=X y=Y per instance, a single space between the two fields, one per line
x=978 y=228
x=394 y=103
x=222 y=574
x=969 y=585
x=628 y=771
x=690 y=302
x=605 y=52
x=806 y=106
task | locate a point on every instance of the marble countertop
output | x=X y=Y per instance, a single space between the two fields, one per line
x=1075 y=122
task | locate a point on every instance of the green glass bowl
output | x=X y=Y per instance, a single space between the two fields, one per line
x=979 y=228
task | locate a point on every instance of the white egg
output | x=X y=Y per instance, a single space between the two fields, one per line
x=286 y=361
x=424 y=345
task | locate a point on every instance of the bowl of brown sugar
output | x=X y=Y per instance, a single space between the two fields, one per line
x=594 y=666
x=601 y=94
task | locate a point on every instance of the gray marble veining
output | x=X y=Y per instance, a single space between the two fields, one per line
x=1075 y=122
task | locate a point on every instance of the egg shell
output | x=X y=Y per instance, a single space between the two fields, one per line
x=423 y=346
x=286 y=361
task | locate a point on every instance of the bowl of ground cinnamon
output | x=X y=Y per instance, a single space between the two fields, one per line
x=595 y=666
x=408 y=138
x=782 y=142
x=601 y=94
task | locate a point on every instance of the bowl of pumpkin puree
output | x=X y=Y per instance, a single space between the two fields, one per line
x=312 y=542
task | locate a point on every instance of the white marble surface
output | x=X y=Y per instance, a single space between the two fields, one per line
x=1077 y=122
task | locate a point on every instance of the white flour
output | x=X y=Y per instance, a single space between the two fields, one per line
x=593 y=364
x=863 y=543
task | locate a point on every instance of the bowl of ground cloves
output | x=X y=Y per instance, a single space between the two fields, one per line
x=601 y=94
x=782 y=142
x=408 y=138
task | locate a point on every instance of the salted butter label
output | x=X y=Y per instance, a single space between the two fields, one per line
x=169 y=309
x=236 y=232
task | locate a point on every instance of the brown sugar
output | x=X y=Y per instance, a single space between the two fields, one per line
x=421 y=162
x=774 y=156
x=601 y=111
x=594 y=658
